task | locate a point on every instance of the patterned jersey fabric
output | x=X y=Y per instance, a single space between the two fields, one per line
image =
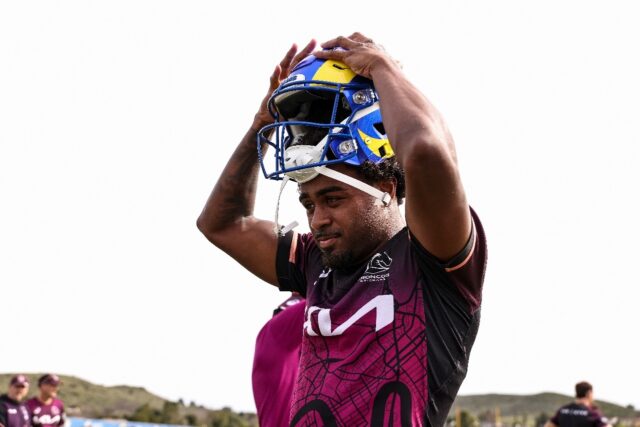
x=385 y=343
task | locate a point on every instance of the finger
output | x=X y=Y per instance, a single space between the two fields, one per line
x=274 y=80
x=288 y=57
x=359 y=37
x=304 y=53
x=336 y=55
x=341 y=41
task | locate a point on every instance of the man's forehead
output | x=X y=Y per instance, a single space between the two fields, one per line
x=321 y=182
x=321 y=189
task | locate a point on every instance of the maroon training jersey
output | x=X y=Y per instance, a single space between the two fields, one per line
x=43 y=415
x=275 y=363
x=385 y=343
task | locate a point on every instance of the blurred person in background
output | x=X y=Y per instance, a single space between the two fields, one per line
x=46 y=410
x=275 y=362
x=581 y=413
x=12 y=412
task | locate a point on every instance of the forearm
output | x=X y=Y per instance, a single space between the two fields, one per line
x=436 y=207
x=233 y=196
x=412 y=123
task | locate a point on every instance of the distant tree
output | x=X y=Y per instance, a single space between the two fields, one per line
x=171 y=413
x=487 y=416
x=467 y=420
x=520 y=421
x=146 y=414
x=541 y=420
x=227 y=418
x=191 y=420
x=181 y=402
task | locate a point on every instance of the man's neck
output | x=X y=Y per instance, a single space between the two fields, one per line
x=11 y=398
x=584 y=401
x=45 y=400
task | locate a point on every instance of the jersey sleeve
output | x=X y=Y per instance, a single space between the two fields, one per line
x=290 y=262
x=63 y=415
x=452 y=294
x=598 y=419
x=465 y=271
x=556 y=418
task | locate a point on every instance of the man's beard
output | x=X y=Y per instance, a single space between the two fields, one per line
x=338 y=261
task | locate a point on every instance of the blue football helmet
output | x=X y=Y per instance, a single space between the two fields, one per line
x=324 y=114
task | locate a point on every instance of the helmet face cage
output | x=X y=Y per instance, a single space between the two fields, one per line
x=331 y=120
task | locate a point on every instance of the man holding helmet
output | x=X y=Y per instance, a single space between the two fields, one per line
x=393 y=301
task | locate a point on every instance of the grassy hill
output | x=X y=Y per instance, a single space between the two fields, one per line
x=530 y=405
x=84 y=399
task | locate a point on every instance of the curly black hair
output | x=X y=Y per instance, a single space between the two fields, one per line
x=387 y=169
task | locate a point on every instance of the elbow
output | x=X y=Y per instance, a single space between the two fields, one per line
x=200 y=223
x=207 y=230
x=220 y=234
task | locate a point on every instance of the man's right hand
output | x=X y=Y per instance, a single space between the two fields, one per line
x=283 y=69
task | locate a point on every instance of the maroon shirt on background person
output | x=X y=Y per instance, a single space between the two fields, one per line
x=275 y=362
x=43 y=415
x=47 y=410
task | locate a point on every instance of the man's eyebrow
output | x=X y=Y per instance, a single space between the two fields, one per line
x=322 y=192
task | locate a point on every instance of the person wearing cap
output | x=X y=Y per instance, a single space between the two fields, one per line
x=12 y=412
x=46 y=410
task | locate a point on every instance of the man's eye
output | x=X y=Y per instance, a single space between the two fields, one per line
x=333 y=200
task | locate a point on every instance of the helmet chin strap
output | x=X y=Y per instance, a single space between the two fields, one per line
x=384 y=197
x=277 y=228
x=300 y=155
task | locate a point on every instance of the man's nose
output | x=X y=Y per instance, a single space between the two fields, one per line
x=320 y=218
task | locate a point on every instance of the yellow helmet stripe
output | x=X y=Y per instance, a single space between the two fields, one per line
x=334 y=71
x=375 y=144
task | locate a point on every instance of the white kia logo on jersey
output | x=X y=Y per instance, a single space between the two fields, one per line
x=382 y=304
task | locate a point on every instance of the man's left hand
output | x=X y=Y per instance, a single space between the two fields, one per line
x=357 y=51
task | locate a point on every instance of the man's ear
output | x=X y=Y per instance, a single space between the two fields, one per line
x=388 y=186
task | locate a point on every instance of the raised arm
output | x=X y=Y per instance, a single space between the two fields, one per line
x=227 y=218
x=436 y=211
